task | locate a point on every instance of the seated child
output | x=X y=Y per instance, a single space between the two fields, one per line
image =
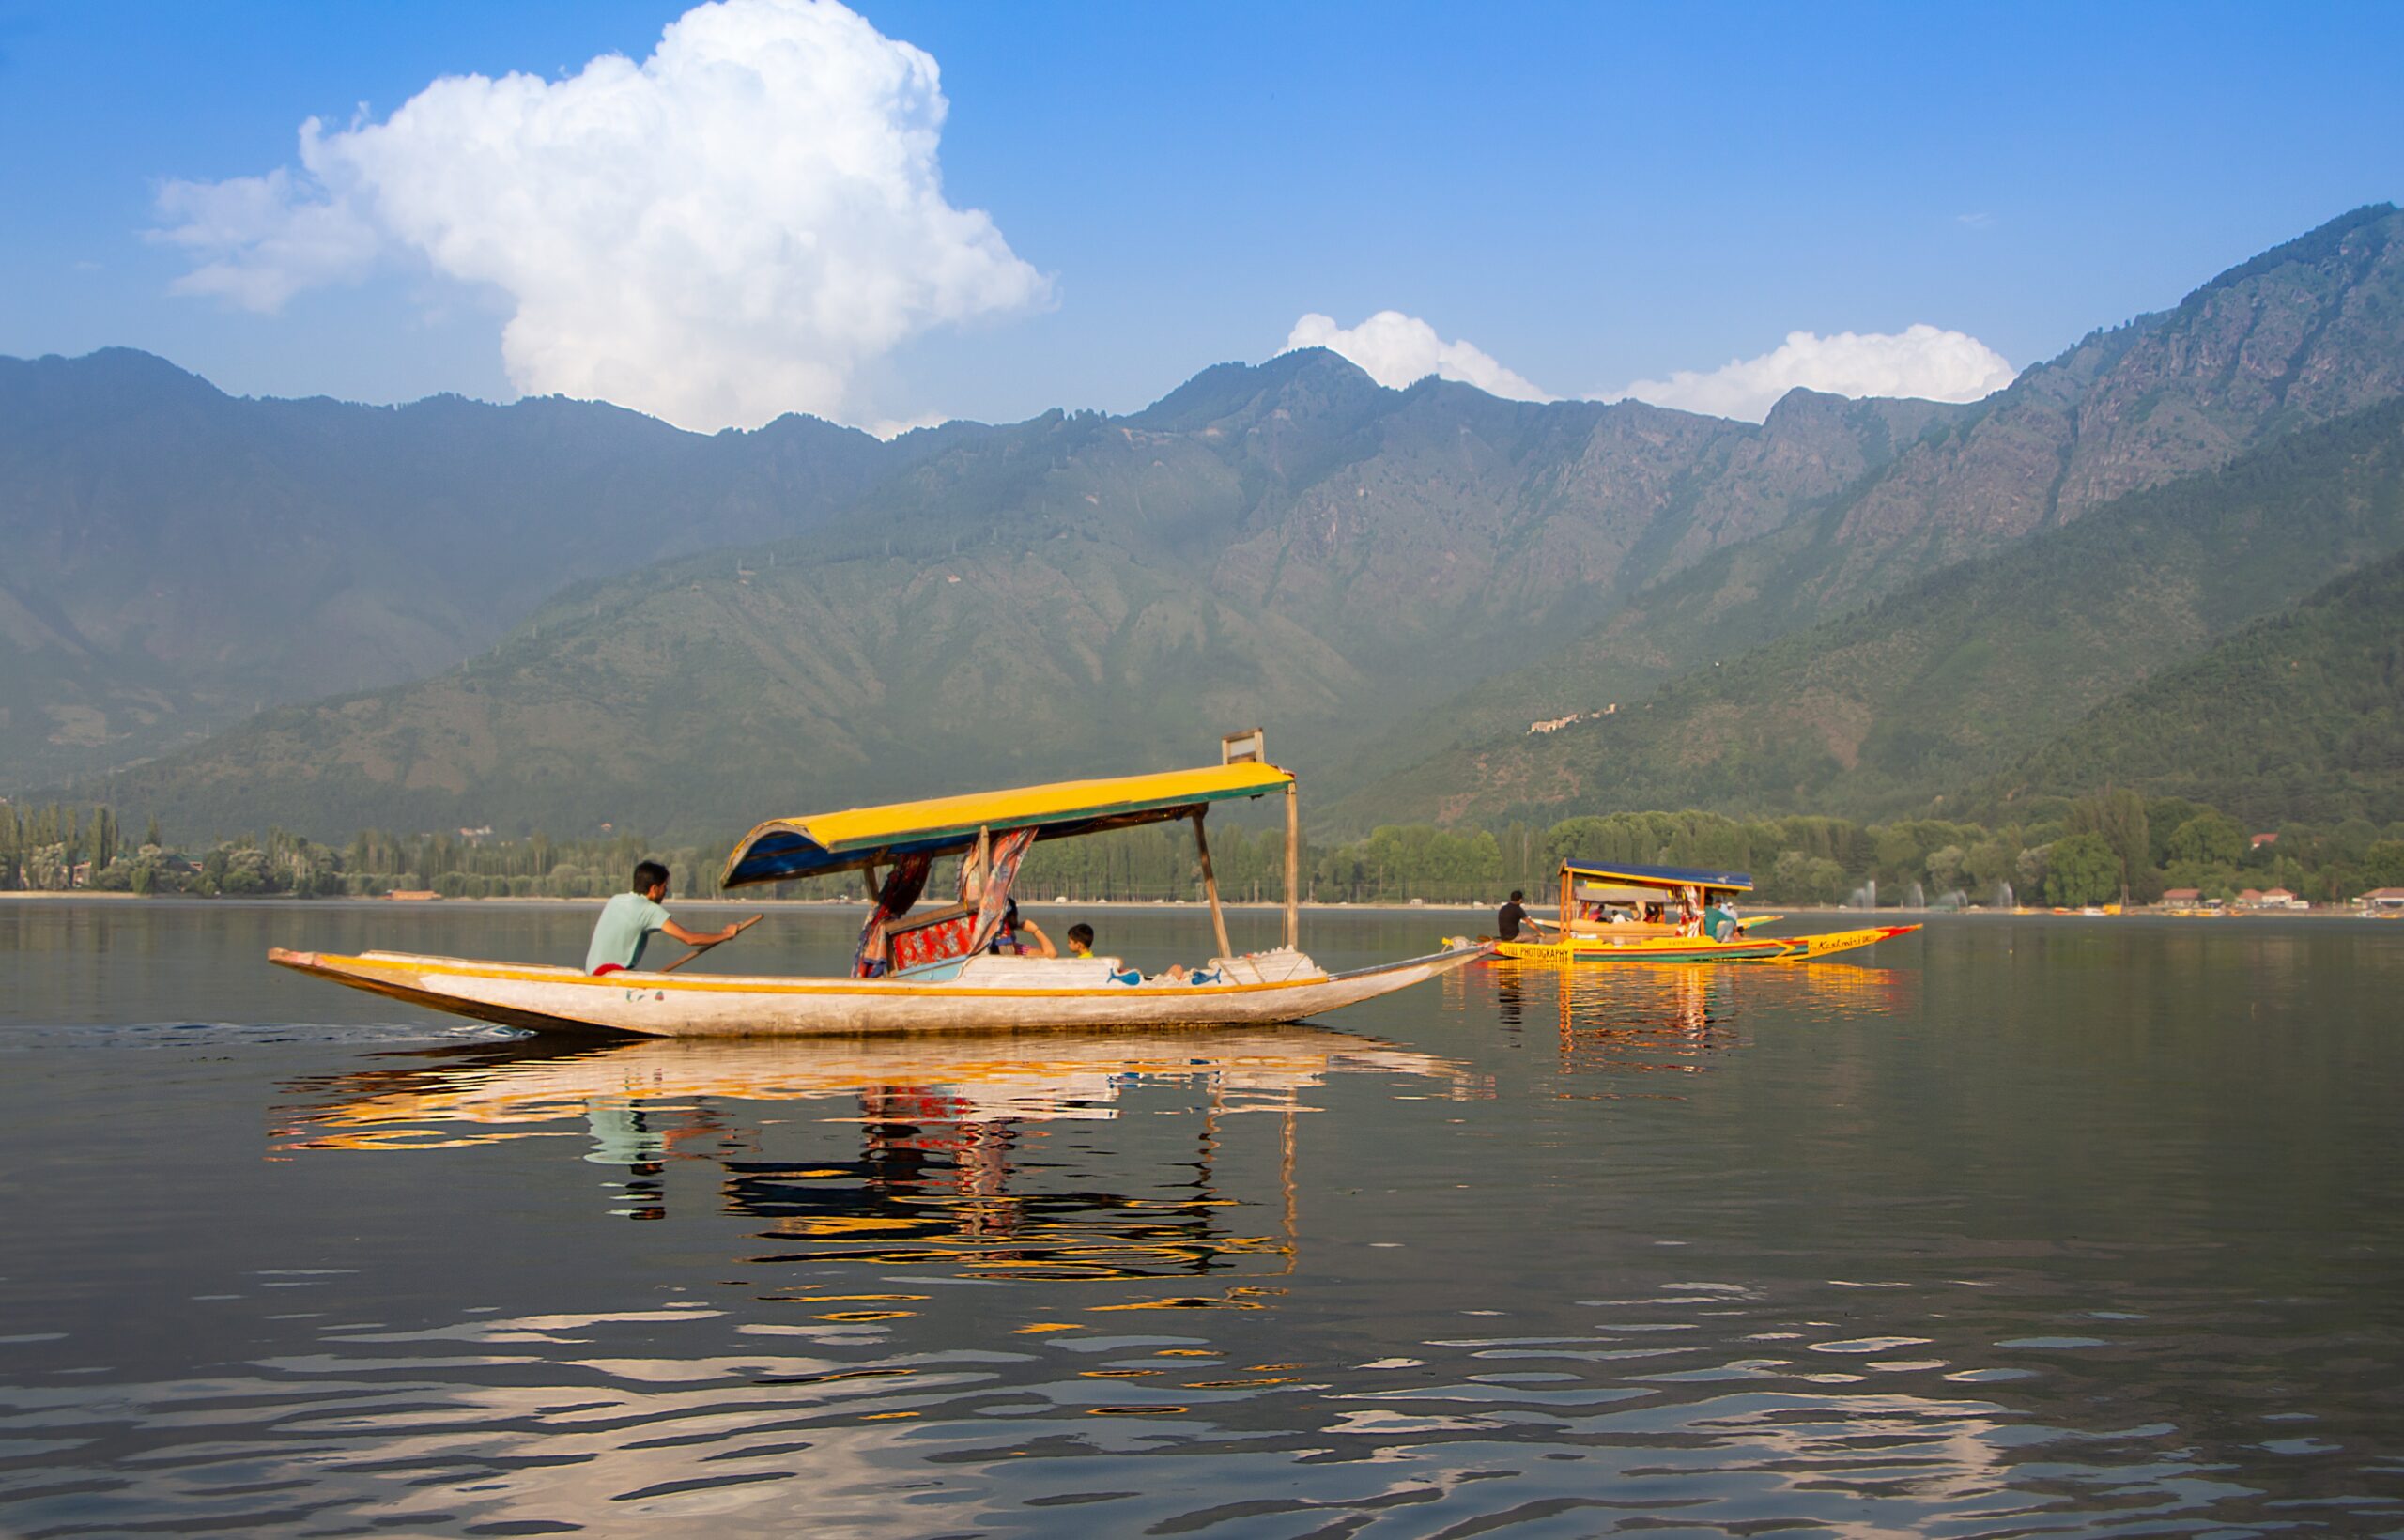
x=1080 y=945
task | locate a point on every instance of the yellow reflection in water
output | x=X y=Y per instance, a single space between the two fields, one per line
x=1673 y=1018
x=946 y=1129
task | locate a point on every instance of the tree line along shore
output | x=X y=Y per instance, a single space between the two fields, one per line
x=2115 y=845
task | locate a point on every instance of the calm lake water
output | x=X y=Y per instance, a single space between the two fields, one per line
x=2016 y=1227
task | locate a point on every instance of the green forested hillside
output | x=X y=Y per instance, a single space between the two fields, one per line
x=2307 y=331
x=2300 y=716
x=180 y=558
x=1288 y=545
x=176 y=558
x=1952 y=679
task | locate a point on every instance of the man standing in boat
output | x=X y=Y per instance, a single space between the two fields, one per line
x=628 y=920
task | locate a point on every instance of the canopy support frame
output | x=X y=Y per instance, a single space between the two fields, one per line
x=1211 y=887
x=1293 y=867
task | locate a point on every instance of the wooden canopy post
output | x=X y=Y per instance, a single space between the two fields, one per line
x=1567 y=908
x=1211 y=887
x=1293 y=867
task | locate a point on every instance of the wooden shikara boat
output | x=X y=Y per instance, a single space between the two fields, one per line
x=931 y=971
x=1605 y=910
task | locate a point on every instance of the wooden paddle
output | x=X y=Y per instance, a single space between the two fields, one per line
x=707 y=945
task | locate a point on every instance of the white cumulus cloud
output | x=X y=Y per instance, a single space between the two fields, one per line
x=1395 y=350
x=1919 y=360
x=727 y=231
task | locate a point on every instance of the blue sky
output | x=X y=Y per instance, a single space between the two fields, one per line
x=1589 y=195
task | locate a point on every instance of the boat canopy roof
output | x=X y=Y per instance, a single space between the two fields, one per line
x=862 y=837
x=1662 y=876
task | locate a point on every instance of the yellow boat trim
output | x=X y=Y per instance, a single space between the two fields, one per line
x=859 y=837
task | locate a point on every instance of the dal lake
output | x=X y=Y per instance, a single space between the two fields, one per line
x=2017 y=1226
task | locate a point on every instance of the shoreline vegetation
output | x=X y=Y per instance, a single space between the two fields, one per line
x=2115 y=846
x=736 y=901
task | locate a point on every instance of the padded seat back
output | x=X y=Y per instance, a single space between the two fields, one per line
x=936 y=936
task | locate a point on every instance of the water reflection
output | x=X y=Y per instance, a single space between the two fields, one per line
x=1655 y=1018
x=2068 y=1230
x=954 y=1168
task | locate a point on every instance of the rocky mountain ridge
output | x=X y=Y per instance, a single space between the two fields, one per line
x=1294 y=546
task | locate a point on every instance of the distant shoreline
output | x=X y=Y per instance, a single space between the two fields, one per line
x=857 y=905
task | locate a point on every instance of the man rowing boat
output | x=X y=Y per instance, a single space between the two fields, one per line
x=628 y=920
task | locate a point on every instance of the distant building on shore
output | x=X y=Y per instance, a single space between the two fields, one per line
x=2382 y=900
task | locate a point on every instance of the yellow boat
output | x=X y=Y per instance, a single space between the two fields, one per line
x=1621 y=913
x=929 y=971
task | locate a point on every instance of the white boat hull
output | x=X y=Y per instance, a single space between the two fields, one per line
x=996 y=994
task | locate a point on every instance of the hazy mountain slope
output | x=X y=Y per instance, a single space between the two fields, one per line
x=701 y=706
x=178 y=557
x=1125 y=589
x=2300 y=716
x=1947 y=682
x=182 y=556
x=1292 y=545
x=1455 y=529
x=2307 y=331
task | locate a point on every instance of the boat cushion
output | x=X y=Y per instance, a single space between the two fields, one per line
x=936 y=936
x=992 y=971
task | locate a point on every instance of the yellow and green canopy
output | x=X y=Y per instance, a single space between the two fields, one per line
x=1662 y=876
x=862 y=837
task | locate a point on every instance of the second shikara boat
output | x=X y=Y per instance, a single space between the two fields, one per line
x=929 y=971
x=1655 y=913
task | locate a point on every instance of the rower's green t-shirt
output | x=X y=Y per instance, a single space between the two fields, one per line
x=626 y=922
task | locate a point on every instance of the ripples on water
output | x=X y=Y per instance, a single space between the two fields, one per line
x=1937 y=1248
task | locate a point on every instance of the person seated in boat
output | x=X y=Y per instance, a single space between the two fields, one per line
x=1011 y=939
x=628 y=920
x=1719 y=922
x=1081 y=946
x=1512 y=916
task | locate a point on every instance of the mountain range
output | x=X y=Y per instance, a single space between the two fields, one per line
x=1958 y=676
x=560 y=614
x=179 y=558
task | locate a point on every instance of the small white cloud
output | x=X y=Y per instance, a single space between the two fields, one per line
x=266 y=239
x=890 y=428
x=725 y=232
x=1975 y=221
x=1921 y=360
x=1395 y=350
